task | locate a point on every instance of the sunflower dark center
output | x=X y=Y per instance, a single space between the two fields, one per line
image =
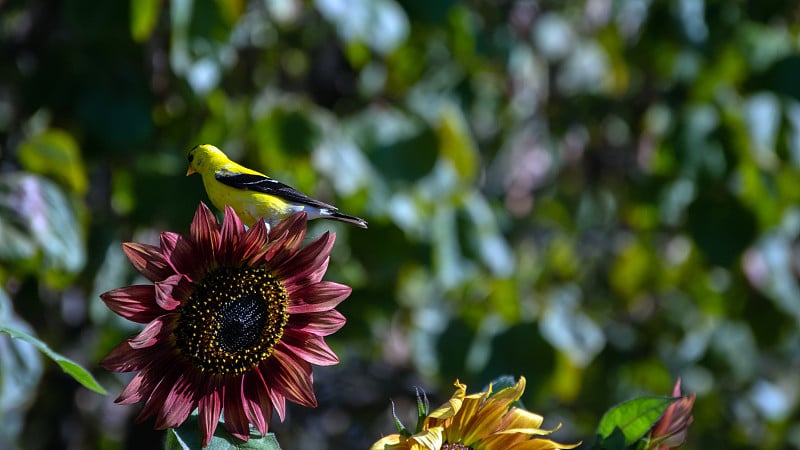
x=240 y=323
x=455 y=446
x=232 y=320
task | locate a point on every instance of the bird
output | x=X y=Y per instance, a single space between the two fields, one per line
x=253 y=195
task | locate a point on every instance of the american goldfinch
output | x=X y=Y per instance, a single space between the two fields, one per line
x=254 y=195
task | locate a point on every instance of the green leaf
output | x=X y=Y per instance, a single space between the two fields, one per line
x=144 y=16
x=187 y=437
x=20 y=373
x=456 y=144
x=633 y=418
x=20 y=364
x=56 y=154
x=37 y=218
x=74 y=370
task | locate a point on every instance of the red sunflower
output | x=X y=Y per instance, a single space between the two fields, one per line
x=235 y=318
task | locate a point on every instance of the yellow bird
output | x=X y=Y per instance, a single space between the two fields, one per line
x=254 y=195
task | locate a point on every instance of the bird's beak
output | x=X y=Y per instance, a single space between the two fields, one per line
x=190 y=171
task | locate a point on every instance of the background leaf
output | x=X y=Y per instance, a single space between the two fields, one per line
x=144 y=15
x=38 y=219
x=56 y=154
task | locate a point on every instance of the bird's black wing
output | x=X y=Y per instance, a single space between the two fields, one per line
x=269 y=186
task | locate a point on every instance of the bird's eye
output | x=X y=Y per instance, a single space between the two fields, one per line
x=190 y=157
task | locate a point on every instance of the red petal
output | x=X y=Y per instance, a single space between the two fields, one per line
x=255 y=400
x=148 y=336
x=140 y=387
x=292 y=225
x=171 y=292
x=136 y=303
x=310 y=348
x=181 y=400
x=143 y=384
x=209 y=408
x=235 y=420
x=283 y=249
x=148 y=260
x=168 y=241
x=304 y=266
x=182 y=255
x=123 y=358
x=232 y=229
x=291 y=377
x=318 y=297
x=205 y=233
x=311 y=274
x=318 y=323
x=254 y=243
x=278 y=401
x=158 y=397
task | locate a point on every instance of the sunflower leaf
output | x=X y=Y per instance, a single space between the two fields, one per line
x=20 y=373
x=187 y=437
x=70 y=367
x=632 y=419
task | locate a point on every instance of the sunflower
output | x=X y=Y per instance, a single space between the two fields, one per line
x=235 y=318
x=482 y=421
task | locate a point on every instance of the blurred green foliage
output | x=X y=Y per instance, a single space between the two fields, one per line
x=600 y=195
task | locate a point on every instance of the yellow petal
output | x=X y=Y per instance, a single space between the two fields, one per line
x=520 y=418
x=431 y=439
x=467 y=419
x=452 y=406
x=386 y=442
x=510 y=394
x=541 y=444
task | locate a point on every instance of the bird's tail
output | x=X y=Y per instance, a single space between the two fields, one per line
x=341 y=217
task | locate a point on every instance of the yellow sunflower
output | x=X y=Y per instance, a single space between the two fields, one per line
x=479 y=421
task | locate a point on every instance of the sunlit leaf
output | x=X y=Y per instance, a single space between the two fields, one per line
x=55 y=154
x=456 y=144
x=144 y=16
x=231 y=10
x=35 y=211
x=632 y=268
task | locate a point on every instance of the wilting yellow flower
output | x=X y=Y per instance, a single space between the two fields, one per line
x=479 y=421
